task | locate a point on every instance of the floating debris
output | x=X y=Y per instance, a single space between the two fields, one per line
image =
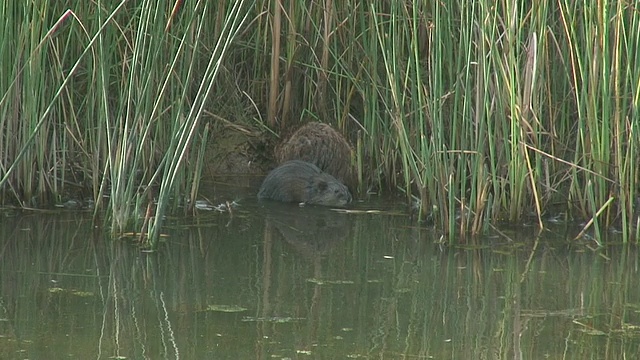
x=330 y=282
x=226 y=308
x=226 y=206
x=273 y=319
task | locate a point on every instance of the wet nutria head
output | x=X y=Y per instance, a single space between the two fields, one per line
x=303 y=182
x=326 y=190
x=322 y=146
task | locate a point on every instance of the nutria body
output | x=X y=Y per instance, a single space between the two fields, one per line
x=303 y=182
x=322 y=146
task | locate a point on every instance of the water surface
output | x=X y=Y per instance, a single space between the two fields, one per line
x=273 y=281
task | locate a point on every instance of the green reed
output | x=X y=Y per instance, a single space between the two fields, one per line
x=25 y=104
x=481 y=111
x=150 y=129
x=477 y=112
x=600 y=45
x=108 y=99
x=186 y=131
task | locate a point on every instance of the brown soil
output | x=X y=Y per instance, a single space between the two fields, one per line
x=236 y=150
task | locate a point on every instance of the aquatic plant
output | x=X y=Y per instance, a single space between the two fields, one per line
x=477 y=112
x=108 y=98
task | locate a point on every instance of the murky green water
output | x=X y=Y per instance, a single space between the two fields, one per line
x=282 y=282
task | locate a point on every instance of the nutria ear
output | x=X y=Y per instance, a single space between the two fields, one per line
x=321 y=185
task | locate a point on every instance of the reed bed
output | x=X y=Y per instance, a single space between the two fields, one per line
x=478 y=112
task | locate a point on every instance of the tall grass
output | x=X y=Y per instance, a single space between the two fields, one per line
x=481 y=111
x=477 y=112
x=108 y=97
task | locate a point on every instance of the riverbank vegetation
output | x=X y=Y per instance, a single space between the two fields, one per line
x=477 y=112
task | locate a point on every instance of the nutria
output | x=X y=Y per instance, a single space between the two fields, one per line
x=303 y=182
x=322 y=146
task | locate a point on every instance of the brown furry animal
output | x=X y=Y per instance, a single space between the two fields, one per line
x=303 y=182
x=322 y=146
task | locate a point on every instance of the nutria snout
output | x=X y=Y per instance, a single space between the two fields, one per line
x=303 y=182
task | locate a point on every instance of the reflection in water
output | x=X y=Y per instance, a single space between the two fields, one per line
x=312 y=231
x=279 y=281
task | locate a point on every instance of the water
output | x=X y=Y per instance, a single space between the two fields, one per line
x=281 y=282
